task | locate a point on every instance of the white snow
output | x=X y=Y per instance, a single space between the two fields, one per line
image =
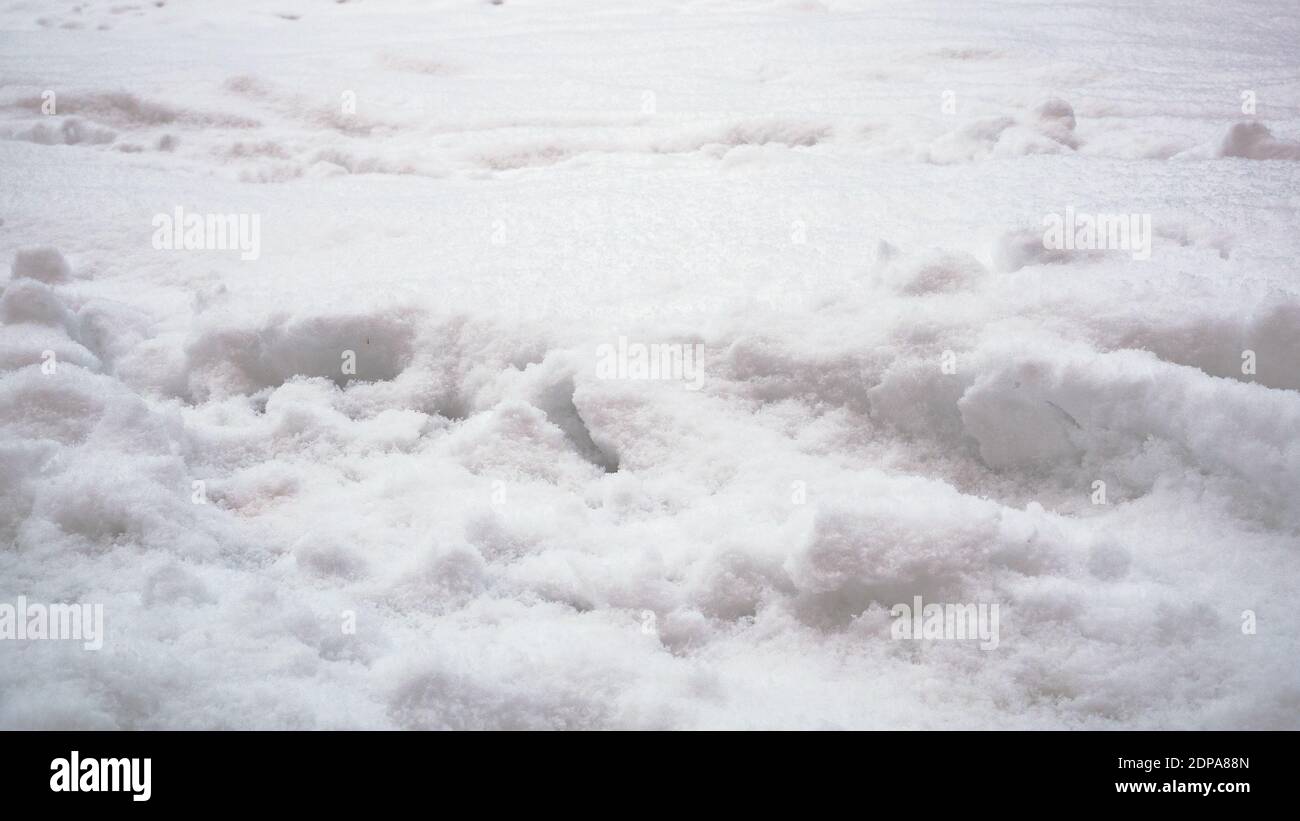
x=904 y=393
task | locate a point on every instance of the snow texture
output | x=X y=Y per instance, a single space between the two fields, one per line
x=904 y=392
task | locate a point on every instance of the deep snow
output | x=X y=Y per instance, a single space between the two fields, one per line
x=903 y=393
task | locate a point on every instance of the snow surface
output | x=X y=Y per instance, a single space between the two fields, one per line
x=524 y=545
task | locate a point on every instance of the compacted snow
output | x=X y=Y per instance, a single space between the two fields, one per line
x=380 y=455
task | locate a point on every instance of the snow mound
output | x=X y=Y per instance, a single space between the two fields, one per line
x=44 y=264
x=1254 y=141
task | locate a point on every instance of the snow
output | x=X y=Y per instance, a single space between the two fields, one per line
x=903 y=392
